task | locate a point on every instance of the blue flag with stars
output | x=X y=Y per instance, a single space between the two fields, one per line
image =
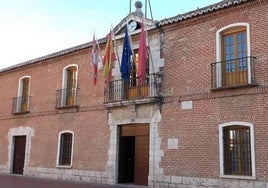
x=126 y=58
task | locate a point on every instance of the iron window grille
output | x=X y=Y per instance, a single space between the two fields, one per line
x=67 y=98
x=233 y=73
x=237 y=150
x=119 y=90
x=20 y=105
x=65 y=156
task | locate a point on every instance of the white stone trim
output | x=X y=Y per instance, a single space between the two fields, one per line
x=20 y=86
x=219 y=50
x=154 y=146
x=112 y=162
x=252 y=141
x=161 y=181
x=20 y=131
x=156 y=153
x=58 y=150
x=64 y=74
x=69 y=174
x=187 y=105
x=64 y=80
x=194 y=182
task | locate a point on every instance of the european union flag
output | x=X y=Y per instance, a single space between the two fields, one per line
x=126 y=58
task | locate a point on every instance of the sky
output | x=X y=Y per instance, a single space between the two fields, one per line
x=33 y=28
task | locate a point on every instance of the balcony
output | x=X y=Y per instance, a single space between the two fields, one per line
x=67 y=98
x=20 y=105
x=120 y=93
x=233 y=73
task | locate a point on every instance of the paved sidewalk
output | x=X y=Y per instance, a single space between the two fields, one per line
x=14 y=181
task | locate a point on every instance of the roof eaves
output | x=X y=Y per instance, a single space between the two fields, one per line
x=188 y=15
x=211 y=8
x=53 y=55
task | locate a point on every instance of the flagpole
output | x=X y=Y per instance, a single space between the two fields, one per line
x=130 y=6
x=150 y=9
x=98 y=45
x=145 y=8
x=115 y=46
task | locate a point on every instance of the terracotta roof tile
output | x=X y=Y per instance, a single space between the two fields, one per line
x=217 y=6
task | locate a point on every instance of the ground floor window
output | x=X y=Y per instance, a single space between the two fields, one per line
x=237 y=149
x=65 y=149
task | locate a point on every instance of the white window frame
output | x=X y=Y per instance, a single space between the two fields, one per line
x=219 y=50
x=64 y=81
x=59 y=146
x=221 y=148
x=20 y=86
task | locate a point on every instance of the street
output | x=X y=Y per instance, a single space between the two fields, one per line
x=15 y=181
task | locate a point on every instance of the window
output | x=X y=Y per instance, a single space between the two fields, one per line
x=21 y=103
x=67 y=96
x=134 y=80
x=234 y=66
x=234 y=57
x=237 y=149
x=70 y=86
x=71 y=77
x=135 y=88
x=65 y=149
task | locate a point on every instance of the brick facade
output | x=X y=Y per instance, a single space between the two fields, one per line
x=184 y=122
x=190 y=48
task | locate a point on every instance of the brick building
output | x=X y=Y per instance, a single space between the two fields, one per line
x=199 y=120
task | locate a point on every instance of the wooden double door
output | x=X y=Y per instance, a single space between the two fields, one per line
x=134 y=154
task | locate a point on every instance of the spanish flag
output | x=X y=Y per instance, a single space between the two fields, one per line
x=109 y=58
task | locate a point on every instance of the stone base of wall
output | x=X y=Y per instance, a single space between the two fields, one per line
x=3 y=169
x=154 y=182
x=70 y=174
x=192 y=182
x=66 y=174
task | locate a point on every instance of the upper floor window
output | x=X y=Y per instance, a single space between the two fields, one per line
x=139 y=80
x=21 y=103
x=65 y=149
x=234 y=57
x=135 y=89
x=237 y=149
x=67 y=96
x=134 y=79
x=234 y=66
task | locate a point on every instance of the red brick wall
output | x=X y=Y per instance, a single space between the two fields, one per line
x=91 y=139
x=89 y=122
x=197 y=132
x=189 y=49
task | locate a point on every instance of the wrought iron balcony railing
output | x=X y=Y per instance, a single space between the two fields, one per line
x=233 y=73
x=67 y=98
x=120 y=90
x=20 y=105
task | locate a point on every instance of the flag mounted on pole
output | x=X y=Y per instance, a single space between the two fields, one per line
x=142 y=55
x=126 y=58
x=95 y=58
x=109 y=58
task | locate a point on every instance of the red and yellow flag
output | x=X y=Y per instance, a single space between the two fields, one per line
x=109 y=58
